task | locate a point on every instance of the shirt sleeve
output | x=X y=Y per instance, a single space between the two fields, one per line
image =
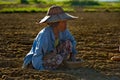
x=28 y=57
x=72 y=39
x=39 y=51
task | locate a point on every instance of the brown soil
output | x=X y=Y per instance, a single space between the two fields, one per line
x=97 y=36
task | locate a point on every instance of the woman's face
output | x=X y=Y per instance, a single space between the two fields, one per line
x=62 y=26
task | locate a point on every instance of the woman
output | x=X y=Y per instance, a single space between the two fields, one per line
x=53 y=43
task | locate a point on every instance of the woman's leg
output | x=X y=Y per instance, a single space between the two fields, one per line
x=64 y=49
x=56 y=57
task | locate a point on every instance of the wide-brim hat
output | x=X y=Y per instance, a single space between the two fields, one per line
x=56 y=14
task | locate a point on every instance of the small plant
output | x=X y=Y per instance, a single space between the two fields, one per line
x=107 y=10
x=24 y=1
x=89 y=10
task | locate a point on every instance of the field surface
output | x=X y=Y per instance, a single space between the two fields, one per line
x=97 y=36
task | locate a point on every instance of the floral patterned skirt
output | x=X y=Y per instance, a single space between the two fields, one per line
x=55 y=58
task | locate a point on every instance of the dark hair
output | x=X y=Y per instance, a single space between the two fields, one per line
x=53 y=24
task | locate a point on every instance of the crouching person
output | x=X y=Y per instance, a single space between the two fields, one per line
x=53 y=43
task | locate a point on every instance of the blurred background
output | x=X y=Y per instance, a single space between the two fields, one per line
x=11 y=6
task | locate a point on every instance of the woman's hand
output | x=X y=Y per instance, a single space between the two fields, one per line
x=72 y=57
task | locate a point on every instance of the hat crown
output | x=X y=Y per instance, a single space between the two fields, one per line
x=55 y=10
x=55 y=14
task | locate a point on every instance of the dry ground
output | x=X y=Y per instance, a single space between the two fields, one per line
x=97 y=36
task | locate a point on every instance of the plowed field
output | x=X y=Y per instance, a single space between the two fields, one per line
x=97 y=36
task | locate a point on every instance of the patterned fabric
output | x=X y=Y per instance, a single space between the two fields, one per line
x=43 y=43
x=54 y=59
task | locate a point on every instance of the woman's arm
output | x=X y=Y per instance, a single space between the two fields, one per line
x=40 y=50
x=69 y=36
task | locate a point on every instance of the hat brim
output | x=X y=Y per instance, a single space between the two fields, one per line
x=57 y=18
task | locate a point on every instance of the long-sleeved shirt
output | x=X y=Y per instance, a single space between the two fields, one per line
x=44 y=43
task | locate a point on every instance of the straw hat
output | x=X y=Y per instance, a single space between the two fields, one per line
x=55 y=14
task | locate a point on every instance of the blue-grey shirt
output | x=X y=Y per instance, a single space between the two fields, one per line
x=44 y=43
